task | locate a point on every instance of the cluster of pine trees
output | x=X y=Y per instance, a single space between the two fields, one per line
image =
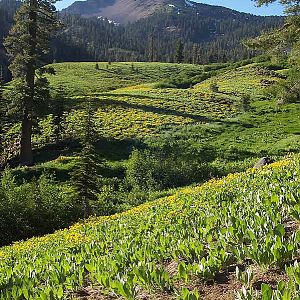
x=7 y=11
x=205 y=39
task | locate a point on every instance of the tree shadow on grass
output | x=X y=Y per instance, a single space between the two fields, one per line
x=98 y=102
x=107 y=149
x=156 y=110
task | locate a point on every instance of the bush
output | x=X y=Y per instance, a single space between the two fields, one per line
x=287 y=90
x=171 y=165
x=164 y=85
x=245 y=102
x=34 y=208
x=214 y=87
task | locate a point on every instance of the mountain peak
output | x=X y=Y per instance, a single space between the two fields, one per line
x=124 y=11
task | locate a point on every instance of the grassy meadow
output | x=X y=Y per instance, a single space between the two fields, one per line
x=132 y=111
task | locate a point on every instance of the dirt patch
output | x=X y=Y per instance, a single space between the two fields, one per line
x=172 y=267
x=223 y=287
x=155 y=296
x=93 y=293
x=270 y=277
x=291 y=226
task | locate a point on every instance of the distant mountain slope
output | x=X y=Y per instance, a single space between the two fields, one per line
x=210 y=33
x=124 y=11
x=121 y=11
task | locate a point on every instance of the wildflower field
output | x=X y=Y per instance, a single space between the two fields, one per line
x=233 y=238
x=129 y=105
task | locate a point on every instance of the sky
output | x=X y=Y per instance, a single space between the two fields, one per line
x=247 y=6
x=240 y=5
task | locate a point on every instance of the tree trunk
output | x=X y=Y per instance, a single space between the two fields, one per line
x=87 y=210
x=26 y=156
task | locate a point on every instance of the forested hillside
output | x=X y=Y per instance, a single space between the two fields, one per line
x=7 y=11
x=206 y=38
x=208 y=35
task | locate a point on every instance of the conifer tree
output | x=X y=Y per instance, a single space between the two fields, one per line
x=1 y=111
x=151 y=49
x=27 y=43
x=58 y=109
x=285 y=40
x=85 y=178
x=195 y=54
x=179 y=52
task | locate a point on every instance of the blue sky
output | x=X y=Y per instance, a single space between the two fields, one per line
x=247 y=6
x=240 y=5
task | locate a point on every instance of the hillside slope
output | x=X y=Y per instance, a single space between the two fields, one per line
x=188 y=244
x=132 y=112
x=124 y=11
x=121 y=11
x=156 y=128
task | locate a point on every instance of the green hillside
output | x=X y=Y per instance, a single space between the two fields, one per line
x=232 y=238
x=129 y=105
x=157 y=127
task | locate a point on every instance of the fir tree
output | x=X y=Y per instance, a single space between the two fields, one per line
x=85 y=176
x=195 y=54
x=179 y=52
x=2 y=120
x=151 y=48
x=27 y=43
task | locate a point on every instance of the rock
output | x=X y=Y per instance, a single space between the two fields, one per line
x=263 y=162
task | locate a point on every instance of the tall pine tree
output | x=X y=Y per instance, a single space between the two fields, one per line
x=2 y=113
x=179 y=52
x=27 y=44
x=151 y=49
x=85 y=178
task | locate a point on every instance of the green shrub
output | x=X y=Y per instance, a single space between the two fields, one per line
x=286 y=90
x=34 y=208
x=169 y=166
x=164 y=85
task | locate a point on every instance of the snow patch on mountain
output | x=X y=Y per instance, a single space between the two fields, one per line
x=188 y=3
x=109 y=21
